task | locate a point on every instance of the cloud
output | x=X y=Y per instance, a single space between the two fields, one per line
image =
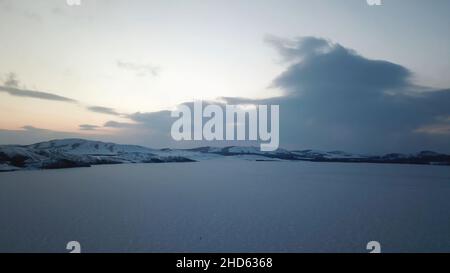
x=292 y=50
x=155 y=121
x=11 y=86
x=242 y=101
x=88 y=127
x=145 y=128
x=103 y=110
x=338 y=99
x=150 y=117
x=141 y=70
x=34 y=94
x=327 y=67
x=34 y=129
x=116 y=124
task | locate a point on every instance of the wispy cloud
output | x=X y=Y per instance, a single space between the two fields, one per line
x=34 y=94
x=140 y=70
x=11 y=86
x=34 y=129
x=88 y=127
x=103 y=110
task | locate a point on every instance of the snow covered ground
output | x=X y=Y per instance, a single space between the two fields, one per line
x=227 y=206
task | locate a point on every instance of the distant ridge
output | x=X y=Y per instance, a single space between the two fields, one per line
x=70 y=153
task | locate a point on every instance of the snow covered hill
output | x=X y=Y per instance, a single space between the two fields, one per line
x=69 y=153
x=87 y=147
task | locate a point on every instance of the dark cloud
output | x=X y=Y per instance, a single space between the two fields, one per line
x=34 y=94
x=140 y=69
x=103 y=110
x=326 y=67
x=116 y=124
x=145 y=128
x=298 y=48
x=11 y=86
x=88 y=127
x=337 y=99
x=150 y=117
x=155 y=121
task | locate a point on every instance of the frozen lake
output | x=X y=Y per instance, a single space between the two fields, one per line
x=227 y=206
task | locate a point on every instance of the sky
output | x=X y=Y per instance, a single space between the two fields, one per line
x=347 y=76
